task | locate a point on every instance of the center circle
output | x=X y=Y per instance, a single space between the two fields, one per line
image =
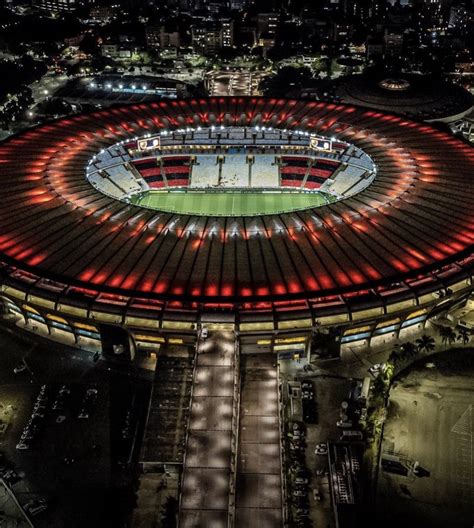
x=230 y=171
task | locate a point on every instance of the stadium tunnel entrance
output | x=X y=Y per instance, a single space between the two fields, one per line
x=117 y=343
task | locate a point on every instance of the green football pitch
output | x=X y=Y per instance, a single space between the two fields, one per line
x=230 y=203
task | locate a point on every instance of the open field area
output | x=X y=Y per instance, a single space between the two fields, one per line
x=230 y=203
x=430 y=421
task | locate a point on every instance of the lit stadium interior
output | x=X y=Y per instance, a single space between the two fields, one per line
x=231 y=171
x=266 y=216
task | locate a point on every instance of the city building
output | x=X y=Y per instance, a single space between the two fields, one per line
x=106 y=90
x=57 y=6
x=393 y=42
x=206 y=38
x=227 y=33
x=160 y=37
x=267 y=23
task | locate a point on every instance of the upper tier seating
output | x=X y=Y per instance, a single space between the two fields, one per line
x=167 y=171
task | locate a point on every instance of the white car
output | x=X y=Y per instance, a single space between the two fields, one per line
x=204 y=332
x=344 y=424
x=375 y=369
x=321 y=449
x=317 y=495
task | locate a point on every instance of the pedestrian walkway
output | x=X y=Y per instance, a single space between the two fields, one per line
x=207 y=472
x=259 y=484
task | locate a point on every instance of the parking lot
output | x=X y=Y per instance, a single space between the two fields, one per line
x=328 y=392
x=71 y=451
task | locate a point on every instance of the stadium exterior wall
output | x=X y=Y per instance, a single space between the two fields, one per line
x=276 y=327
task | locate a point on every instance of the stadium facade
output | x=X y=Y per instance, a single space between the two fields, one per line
x=85 y=265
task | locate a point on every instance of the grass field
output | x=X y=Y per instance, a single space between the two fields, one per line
x=230 y=203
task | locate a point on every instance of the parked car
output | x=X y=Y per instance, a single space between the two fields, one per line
x=35 y=507
x=299 y=492
x=350 y=434
x=375 y=369
x=301 y=479
x=344 y=424
x=321 y=449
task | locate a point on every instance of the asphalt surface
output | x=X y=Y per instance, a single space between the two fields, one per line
x=206 y=472
x=79 y=492
x=258 y=486
x=430 y=421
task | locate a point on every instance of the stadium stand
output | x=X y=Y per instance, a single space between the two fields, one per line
x=176 y=170
x=151 y=172
x=205 y=172
x=264 y=171
x=305 y=172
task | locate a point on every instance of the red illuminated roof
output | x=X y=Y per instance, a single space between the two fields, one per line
x=416 y=216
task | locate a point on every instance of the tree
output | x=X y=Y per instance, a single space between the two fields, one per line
x=285 y=80
x=54 y=108
x=89 y=45
x=409 y=350
x=448 y=335
x=379 y=387
x=464 y=335
x=425 y=343
x=394 y=357
x=325 y=343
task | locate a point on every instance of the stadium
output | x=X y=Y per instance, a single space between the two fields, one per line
x=135 y=226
